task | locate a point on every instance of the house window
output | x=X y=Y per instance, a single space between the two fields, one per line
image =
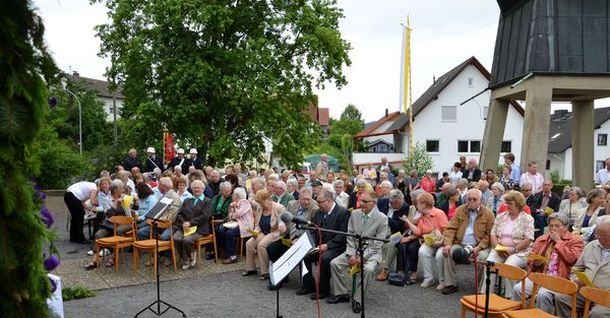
x=475 y=146
x=599 y=165
x=383 y=148
x=470 y=81
x=449 y=114
x=548 y=164
x=432 y=145
x=602 y=139
x=485 y=112
x=462 y=146
x=507 y=146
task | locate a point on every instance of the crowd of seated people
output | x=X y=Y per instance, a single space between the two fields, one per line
x=503 y=218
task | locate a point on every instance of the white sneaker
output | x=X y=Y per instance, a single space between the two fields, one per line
x=440 y=286
x=104 y=252
x=186 y=266
x=193 y=258
x=426 y=283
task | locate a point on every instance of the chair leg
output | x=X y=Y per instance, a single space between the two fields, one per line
x=216 y=251
x=463 y=312
x=116 y=258
x=199 y=253
x=97 y=254
x=174 y=259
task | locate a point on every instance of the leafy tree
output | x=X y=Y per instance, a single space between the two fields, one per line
x=419 y=160
x=222 y=75
x=25 y=65
x=342 y=133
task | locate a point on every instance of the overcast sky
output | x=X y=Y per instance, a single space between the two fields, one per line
x=445 y=33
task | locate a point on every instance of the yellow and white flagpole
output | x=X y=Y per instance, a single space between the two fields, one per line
x=405 y=78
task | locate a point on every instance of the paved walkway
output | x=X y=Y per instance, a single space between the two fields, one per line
x=216 y=290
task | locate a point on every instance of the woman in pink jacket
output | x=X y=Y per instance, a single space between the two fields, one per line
x=240 y=211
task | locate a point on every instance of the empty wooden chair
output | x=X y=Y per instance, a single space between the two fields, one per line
x=150 y=246
x=497 y=304
x=117 y=242
x=596 y=295
x=555 y=284
x=209 y=239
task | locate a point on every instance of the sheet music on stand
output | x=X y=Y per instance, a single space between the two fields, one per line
x=291 y=258
x=159 y=208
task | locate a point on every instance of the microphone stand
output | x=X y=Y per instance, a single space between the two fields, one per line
x=360 y=251
x=488 y=271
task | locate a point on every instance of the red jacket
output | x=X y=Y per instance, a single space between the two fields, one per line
x=568 y=250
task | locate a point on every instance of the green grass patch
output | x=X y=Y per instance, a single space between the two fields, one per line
x=76 y=293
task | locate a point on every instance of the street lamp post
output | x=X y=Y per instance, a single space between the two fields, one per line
x=80 y=120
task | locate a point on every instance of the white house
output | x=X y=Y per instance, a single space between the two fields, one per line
x=447 y=128
x=101 y=88
x=560 y=141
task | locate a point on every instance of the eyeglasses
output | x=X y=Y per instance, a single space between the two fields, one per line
x=473 y=199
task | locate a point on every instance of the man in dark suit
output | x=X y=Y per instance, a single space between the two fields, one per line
x=394 y=208
x=132 y=160
x=152 y=161
x=333 y=217
x=194 y=212
x=181 y=161
x=539 y=204
x=472 y=172
x=303 y=208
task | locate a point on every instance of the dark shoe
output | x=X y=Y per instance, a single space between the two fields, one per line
x=90 y=266
x=264 y=277
x=315 y=296
x=229 y=261
x=248 y=273
x=209 y=256
x=338 y=299
x=305 y=291
x=450 y=289
x=356 y=307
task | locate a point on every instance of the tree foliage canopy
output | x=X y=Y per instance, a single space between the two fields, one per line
x=25 y=65
x=222 y=74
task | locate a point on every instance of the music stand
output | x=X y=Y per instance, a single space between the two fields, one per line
x=289 y=260
x=154 y=214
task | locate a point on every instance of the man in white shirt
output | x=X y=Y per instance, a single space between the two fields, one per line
x=603 y=176
x=533 y=177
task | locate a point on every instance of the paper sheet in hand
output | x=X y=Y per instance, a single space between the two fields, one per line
x=536 y=257
x=191 y=230
x=501 y=248
x=584 y=279
x=291 y=258
x=159 y=208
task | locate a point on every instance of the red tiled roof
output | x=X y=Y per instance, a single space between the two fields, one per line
x=370 y=129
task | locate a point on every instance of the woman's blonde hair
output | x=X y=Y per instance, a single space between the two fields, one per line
x=262 y=196
x=515 y=196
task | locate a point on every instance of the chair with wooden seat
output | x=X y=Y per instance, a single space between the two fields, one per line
x=558 y=285
x=117 y=242
x=497 y=304
x=150 y=246
x=208 y=239
x=598 y=296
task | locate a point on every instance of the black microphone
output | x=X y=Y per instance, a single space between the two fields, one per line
x=287 y=217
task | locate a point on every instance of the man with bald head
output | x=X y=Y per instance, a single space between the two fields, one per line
x=471 y=226
x=595 y=263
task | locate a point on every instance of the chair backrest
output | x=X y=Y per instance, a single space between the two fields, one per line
x=596 y=295
x=160 y=224
x=556 y=284
x=510 y=272
x=553 y=283
x=120 y=220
